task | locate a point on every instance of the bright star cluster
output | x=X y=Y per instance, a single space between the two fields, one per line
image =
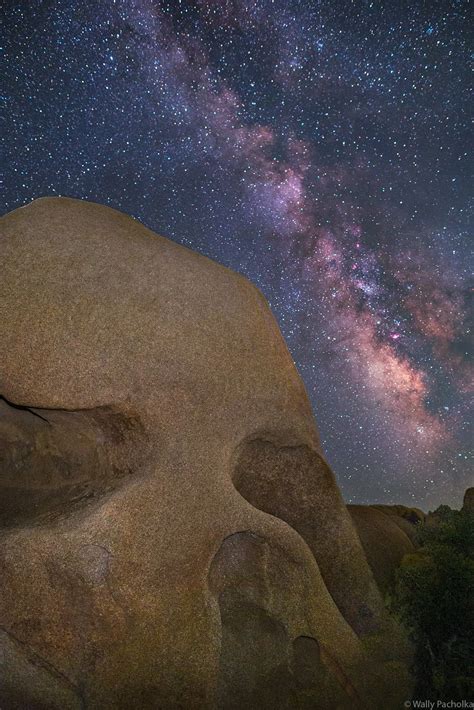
x=321 y=148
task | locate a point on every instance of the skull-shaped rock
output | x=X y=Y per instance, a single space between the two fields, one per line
x=170 y=534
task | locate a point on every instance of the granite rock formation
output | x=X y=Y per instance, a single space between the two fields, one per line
x=171 y=536
x=468 y=502
x=387 y=533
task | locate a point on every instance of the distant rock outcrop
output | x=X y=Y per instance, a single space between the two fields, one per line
x=387 y=533
x=468 y=503
x=171 y=536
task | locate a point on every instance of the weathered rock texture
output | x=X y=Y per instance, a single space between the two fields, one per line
x=387 y=533
x=171 y=535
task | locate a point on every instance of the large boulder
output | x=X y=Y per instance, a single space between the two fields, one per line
x=387 y=534
x=468 y=502
x=171 y=536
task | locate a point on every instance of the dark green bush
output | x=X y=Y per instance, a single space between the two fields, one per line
x=434 y=596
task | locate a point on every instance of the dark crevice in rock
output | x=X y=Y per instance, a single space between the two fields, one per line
x=24 y=408
x=51 y=465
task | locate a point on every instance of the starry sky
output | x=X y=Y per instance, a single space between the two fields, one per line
x=319 y=147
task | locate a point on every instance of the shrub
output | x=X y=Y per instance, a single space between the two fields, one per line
x=434 y=598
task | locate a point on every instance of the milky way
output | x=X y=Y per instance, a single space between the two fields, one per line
x=321 y=149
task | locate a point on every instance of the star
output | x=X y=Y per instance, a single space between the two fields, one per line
x=317 y=148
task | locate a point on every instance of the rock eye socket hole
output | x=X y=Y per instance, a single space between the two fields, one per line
x=52 y=461
x=295 y=484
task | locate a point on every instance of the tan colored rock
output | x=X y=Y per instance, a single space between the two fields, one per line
x=405 y=517
x=386 y=534
x=171 y=535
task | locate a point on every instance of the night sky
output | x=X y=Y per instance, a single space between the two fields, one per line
x=319 y=148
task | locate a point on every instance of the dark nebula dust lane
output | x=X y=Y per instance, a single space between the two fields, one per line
x=321 y=149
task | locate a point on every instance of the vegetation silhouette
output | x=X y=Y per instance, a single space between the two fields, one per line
x=434 y=597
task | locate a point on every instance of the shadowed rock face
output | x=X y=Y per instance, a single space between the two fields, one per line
x=468 y=502
x=387 y=533
x=170 y=535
